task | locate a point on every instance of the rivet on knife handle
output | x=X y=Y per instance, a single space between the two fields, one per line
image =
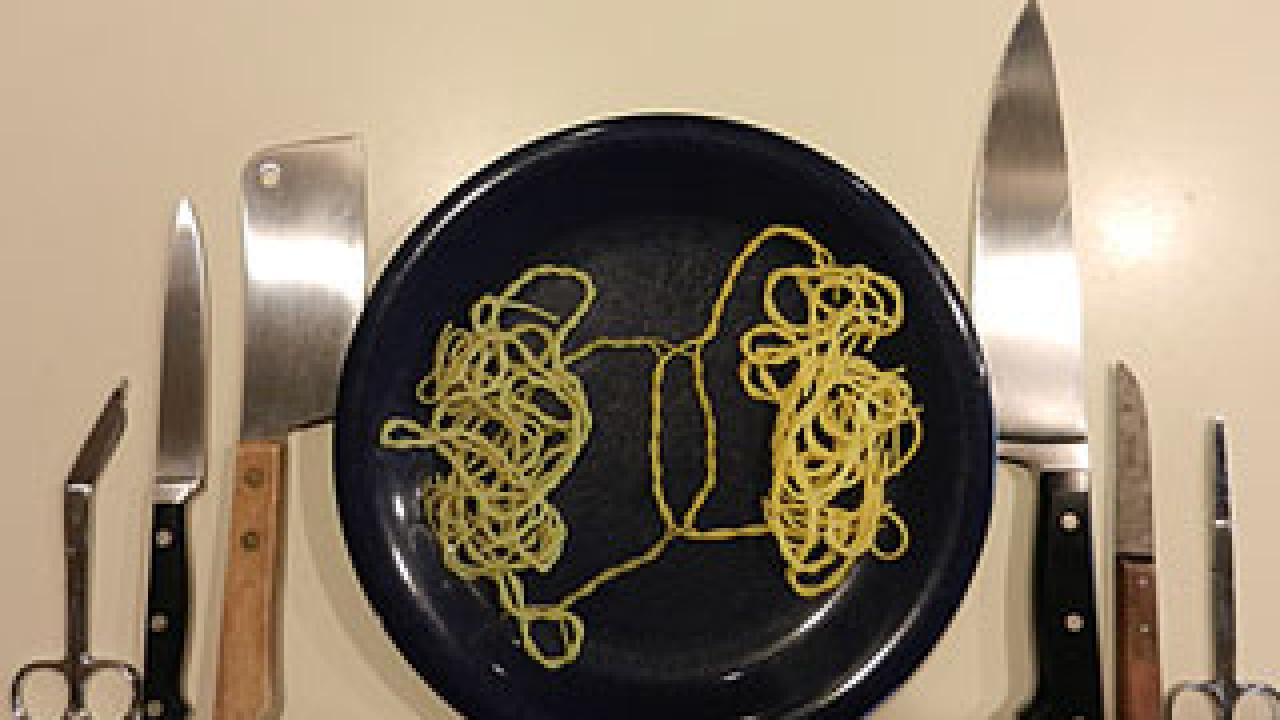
x=246 y=667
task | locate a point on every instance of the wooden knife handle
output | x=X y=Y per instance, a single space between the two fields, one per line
x=247 y=643
x=1137 y=640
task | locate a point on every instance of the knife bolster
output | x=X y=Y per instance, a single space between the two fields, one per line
x=247 y=646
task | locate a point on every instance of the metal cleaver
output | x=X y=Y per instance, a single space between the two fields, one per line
x=304 y=259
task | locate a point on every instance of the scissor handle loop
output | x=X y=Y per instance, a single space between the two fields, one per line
x=131 y=674
x=20 y=711
x=92 y=666
x=1225 y=697
x=1213 y=690
x=1265 y=690
x=76 y=671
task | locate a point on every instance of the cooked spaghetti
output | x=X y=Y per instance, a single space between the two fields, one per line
x=509 y=418
x=843 y=426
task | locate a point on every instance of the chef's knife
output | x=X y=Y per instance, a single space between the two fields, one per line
x=304 y=239
x=180 y=467
x=1137 y=628
x=1026 y=304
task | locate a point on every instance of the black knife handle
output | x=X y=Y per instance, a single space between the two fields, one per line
x=1069 y=671
x=166 y=623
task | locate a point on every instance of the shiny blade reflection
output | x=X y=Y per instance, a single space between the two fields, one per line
x=180 y=452
x=304 y=209
x=1026 y=288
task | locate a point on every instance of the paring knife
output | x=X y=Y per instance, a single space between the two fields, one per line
x=180 y=467
x=1137 y=628
x=304 y=245
x=1026 y=303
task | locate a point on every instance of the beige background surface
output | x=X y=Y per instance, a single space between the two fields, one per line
x=110 y=111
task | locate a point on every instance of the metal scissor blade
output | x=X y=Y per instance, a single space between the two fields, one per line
x=1221 y=476
x=1223 y=562
x=101 y=443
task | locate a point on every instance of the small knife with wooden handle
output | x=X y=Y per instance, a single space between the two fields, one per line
x=304 y=245
x=1137 y=629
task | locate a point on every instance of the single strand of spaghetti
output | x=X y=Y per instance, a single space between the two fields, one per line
x=716 y=534
x=569 y=626
x=709 y=444
x=655 y=441
x=620 y=569
x=656 y=345
x=821 y=254
x=579 y=311
x=904 y=535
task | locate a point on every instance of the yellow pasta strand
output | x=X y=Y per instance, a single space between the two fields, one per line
x=510 y=419
x=840 y=423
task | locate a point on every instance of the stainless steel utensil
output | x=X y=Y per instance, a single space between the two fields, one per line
x=180 y=467
x=1026 y=302
x=1224 y=690
x=1137 y=628
x=304 y=240
x=78 y=666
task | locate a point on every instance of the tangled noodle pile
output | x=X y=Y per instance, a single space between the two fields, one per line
x=509 y=418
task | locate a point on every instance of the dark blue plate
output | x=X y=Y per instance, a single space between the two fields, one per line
x=655 y=207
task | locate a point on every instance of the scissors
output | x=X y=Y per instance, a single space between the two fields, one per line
x=78 y=666
x=1224 y=691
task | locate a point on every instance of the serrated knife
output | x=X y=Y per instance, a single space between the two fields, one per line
x=1137 y=628
x=180 y=467
x=1026 y=305
x=303 y=230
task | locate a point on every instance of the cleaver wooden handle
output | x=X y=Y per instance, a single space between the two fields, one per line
x=247 y=642
x=1137 y=640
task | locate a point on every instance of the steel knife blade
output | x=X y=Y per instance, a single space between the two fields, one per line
x=1026 y=305
x=1137 y=623
x=181 y=458
x=303 y=231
